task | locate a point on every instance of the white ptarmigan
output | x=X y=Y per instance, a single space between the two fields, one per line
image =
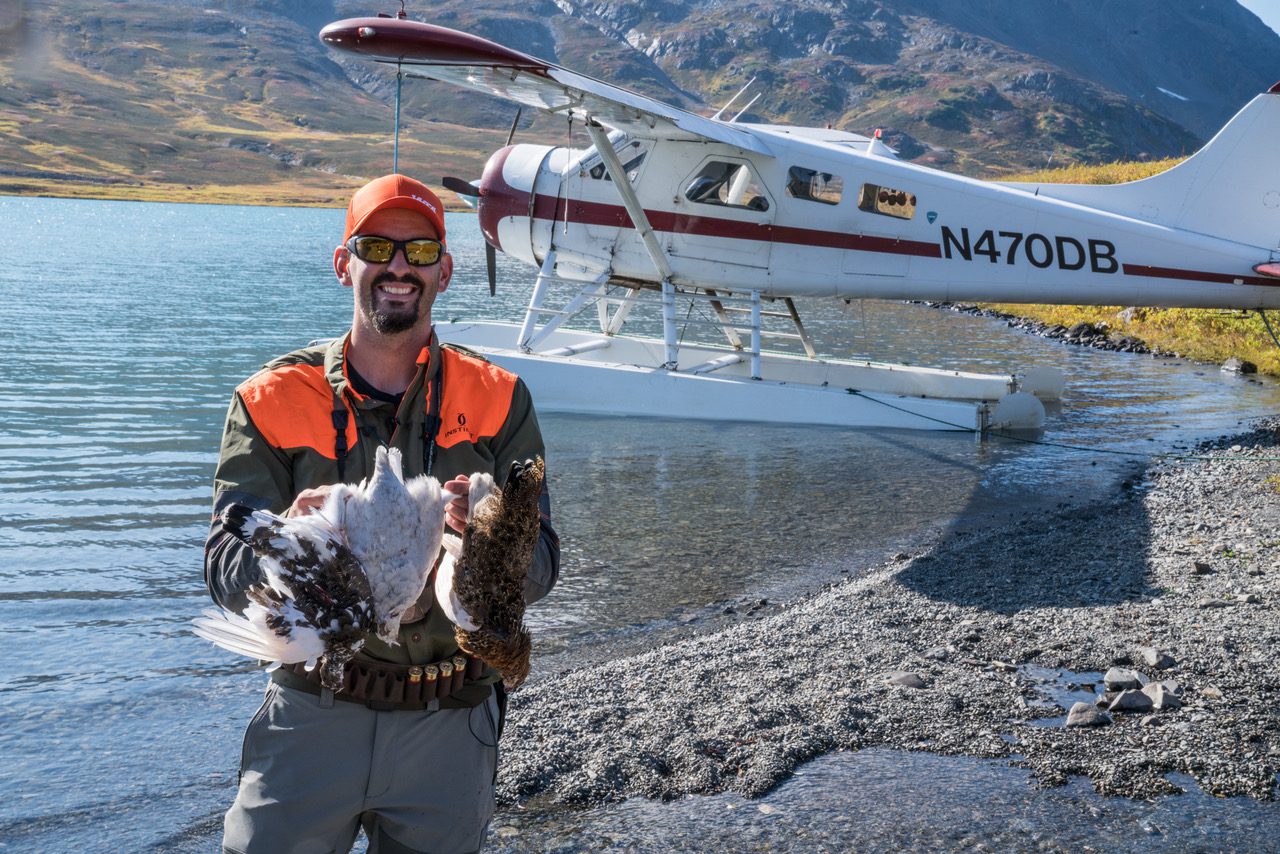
x=330 y=577
x=480 y=581
x=394 y=528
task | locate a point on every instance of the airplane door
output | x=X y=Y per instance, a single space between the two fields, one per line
x=881 y=213
x=722 y=227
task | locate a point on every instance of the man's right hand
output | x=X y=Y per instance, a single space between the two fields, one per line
x=309 y=500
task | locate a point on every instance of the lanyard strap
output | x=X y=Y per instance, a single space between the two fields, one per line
x=340 y=416
x=431 y=425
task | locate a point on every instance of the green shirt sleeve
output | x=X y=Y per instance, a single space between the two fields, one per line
x=520 y=439
x=250 y=472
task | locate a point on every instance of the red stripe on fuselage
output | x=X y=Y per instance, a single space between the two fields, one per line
x=615 y=216
x=1196 y=275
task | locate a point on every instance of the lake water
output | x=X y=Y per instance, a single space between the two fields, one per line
x=127 y=325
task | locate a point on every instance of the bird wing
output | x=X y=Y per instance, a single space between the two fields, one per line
x=450 y=605
x=430 y=501
x=266 y=634
x=306 y=562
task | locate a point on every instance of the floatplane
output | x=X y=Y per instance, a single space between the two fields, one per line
x=739 y=220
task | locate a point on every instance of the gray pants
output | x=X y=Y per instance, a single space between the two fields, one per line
x=314 y=770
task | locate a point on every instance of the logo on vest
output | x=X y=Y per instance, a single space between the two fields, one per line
x=462 y=426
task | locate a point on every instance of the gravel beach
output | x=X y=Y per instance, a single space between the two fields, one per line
x=977 y=644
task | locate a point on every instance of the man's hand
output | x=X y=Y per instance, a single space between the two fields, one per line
x=309 y=500
x=455 y=512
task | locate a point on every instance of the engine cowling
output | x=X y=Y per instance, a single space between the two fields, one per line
x=516 y=185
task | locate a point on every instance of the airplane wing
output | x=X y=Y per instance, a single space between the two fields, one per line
x=438 y=53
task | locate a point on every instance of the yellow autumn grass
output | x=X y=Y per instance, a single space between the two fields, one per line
x=1206 y=335
x=332 y=192
x=1103 y=173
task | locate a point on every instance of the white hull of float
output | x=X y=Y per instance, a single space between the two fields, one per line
x=590 y=373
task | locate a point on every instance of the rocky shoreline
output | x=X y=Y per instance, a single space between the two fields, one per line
x=977 y=645
x=1082 y=334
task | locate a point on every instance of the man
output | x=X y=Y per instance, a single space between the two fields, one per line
x=415 y=767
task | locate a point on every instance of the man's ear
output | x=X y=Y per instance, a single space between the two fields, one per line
x=341 y=259
x=446 y=271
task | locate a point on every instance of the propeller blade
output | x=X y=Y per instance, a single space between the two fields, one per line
x=459 y=186
x=516 y=121
x=491 y=263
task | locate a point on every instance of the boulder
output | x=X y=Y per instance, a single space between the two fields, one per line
x=1121 y=679
x=906 y=679
x=1132 y=701
x=1162 y=699
x=1086 y=714
x=1236 y=365
x=1155 y=658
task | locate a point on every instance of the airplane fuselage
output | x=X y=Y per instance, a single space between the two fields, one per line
x=938 y=237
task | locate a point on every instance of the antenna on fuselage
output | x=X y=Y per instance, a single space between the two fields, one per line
x=747 y=86
x=738 y=115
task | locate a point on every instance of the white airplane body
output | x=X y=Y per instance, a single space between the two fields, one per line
x=987 y=241
x=702 y=209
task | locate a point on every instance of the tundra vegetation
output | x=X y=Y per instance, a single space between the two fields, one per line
x=1205 y=335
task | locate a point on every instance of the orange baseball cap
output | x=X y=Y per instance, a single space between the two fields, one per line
x=393 y=191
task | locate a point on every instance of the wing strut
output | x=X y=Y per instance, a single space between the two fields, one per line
x=641 y=222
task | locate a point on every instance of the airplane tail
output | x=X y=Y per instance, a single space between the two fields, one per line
x=1229 y=189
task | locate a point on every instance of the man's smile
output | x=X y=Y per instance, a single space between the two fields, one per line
x=398 y=290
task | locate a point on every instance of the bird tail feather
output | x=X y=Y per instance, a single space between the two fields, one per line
x=252 y=636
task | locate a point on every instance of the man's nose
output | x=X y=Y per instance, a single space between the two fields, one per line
x=399 y=262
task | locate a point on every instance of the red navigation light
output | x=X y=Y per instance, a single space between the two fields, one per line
x=1270 y=268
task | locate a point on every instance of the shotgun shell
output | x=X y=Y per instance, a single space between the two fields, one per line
x=459 y=664
x=415 y=675
x=431 y=672
x=446 y=669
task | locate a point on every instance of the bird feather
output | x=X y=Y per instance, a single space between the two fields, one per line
x=488 y=575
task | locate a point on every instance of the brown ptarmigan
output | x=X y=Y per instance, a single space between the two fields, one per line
x=480 y=581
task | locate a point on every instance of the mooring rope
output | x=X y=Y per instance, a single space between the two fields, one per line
x=1069 y=447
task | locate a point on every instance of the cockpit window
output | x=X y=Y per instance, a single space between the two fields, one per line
x=887 y=201
x=733 y=185
x=814 y=186
x=631 y=155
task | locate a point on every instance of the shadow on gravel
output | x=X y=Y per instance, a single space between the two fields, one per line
x=1078 y=557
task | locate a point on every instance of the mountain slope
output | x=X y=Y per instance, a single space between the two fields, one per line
x=151 y=96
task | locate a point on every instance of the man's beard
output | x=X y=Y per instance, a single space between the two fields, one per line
x=398 y=320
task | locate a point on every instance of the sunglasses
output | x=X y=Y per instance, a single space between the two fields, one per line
x=419 y=252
